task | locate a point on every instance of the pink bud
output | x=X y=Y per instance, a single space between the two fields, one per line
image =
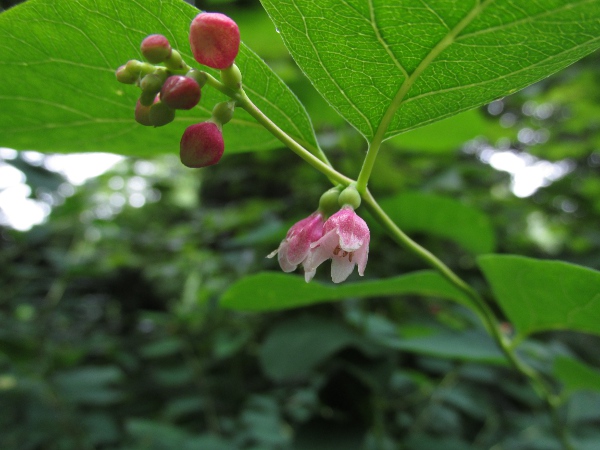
x=180 y=92
x=201 y=145
x=214 y=39
x=142 y=114
x=156 y=48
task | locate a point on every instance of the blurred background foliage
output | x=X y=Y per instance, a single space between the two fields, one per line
x=111 y=334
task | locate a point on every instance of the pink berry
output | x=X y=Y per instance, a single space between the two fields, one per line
x=201 y=145
x=156 y=48
x=179 y=92
x=142 y=114
x=214 y=39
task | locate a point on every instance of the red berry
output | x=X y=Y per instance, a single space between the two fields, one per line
x=179 y=92
x=214 y=39
x=156 y=48
x=201 y=145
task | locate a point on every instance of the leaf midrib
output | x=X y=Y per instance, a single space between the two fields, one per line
x=408 y=82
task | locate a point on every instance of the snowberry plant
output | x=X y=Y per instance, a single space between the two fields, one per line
x=385 y=67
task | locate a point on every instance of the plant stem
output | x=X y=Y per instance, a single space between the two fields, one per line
x=482 y=308
x=479 y=304
x=315 y=158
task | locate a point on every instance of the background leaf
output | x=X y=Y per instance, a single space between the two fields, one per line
x=543 y=295
x=423 y=61
x=273 y=291
x=442 y=217
x=575 y=375
x=59 y=92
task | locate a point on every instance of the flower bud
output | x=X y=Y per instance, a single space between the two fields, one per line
x=124 y=76
x=201 y=145
x=147 y=98
x=199 y=76
x=174 y=61
x=151 y=83
x=350 y=196
x=180 y=92
x=137 y=68
x=142 y=114
x=156 y=48
x=328 y=203
x=214 y=39
x=161 y=114
x=223 y=112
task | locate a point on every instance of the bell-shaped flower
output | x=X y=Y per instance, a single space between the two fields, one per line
x=345 y=241
x=296 y=246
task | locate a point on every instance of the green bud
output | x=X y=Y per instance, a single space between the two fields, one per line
x=350 y=196
x=223 y=112
x=124 y=76
x=174 y=61
x=198 y=76
x=161 y=114
x=151 y=83
x=134 y=67
x=147 y=98
x=328 y=203
x=232 y=77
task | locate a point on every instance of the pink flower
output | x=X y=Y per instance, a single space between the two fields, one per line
x=296 y=246
x=345 y=240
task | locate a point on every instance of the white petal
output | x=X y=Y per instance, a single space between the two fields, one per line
x=361 y=256
x=309 y=274
x=341 y=268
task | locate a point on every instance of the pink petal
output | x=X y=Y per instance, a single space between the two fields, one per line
x=321 y=251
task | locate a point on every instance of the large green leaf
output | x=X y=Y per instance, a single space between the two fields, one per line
x=411 y=62
x=273 y=291
x=59 y=92
x=443 y=217
x=543 y=295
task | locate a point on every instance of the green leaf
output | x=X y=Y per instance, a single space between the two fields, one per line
x=270 y=291
x=443 y=217
x=471 y=345
x=575 y=375
x=444 y=136
x=540 y=295
x=295 y=347
x=59 y=92
x=400 y=65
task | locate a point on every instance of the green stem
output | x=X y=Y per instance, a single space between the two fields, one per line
x=482 y=308
x=315 y=158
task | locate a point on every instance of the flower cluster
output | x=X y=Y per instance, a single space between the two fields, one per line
x=344 y=238
x=168 y=84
